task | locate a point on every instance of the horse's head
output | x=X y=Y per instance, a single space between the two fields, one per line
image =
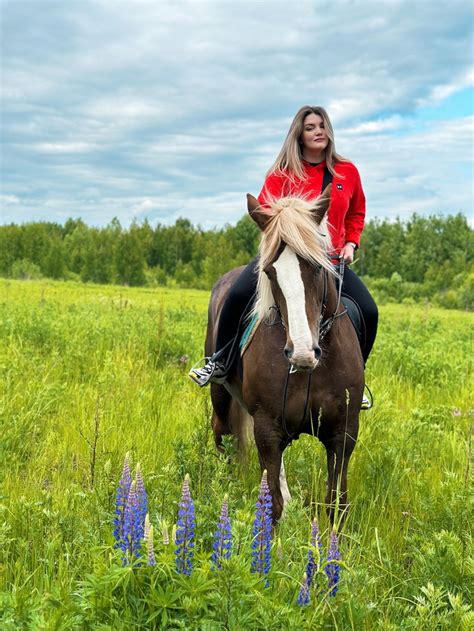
x=293 y=270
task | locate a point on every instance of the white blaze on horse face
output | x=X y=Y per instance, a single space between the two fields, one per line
x=291 y=284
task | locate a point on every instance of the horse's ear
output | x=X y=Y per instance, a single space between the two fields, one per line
x=321 y=204
x=256 y=212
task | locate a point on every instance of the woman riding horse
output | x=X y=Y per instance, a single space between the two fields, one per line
x=306 y=163
x=302 y=371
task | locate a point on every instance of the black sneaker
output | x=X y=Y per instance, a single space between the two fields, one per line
x=211 y=371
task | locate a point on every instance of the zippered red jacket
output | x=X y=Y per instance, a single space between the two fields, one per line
x=346 y=212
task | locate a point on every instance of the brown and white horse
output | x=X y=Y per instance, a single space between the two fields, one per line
x=303 y=370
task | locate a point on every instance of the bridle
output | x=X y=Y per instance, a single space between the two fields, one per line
x=325 y=326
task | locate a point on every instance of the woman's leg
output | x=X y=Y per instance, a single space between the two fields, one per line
x=237 y=299
x=353 y=287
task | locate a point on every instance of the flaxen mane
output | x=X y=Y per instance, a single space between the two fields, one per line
x=292 y=222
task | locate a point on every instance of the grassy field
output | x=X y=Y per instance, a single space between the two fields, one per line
x=92 y=372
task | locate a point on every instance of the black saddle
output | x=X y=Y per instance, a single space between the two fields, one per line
x=356 y=317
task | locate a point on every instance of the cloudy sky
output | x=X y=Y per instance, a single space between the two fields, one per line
x=150 y=109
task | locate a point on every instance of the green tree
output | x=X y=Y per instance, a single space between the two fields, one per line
x=129 y=260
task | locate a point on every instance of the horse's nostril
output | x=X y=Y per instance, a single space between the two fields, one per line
x=317 y=352
x=288 y=352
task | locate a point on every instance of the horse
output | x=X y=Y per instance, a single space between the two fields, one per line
x=303 y=370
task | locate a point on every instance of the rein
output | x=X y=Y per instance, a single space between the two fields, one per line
x=324 y=329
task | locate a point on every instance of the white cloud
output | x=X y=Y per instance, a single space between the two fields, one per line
x=440 y=92
x=9 y=200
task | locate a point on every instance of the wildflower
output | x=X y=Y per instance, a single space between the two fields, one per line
x=185 y=531
x=332 y=568
x=222 y=544
x=142 y=502
x=303 y=596
x=131 y=526
x=262 y=531
x=150 y=552
x=123 y=490
x=147 y=527
x=316 y=547
x=165 y=533
x=457 y=412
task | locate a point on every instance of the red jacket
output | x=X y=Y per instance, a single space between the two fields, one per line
x=347 y=210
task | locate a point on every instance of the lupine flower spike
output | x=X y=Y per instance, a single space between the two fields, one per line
x=222 y=544
x=147 y=527
x=303 y=596
x=150 y=552
x=315 y=552
x=262 y=531
x=332 y=568
x=142 y=502
x=123 y=490
x=132 y=530
x=165 y=533
x=185 y=531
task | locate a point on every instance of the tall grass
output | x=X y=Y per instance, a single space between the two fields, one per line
x=91 y=372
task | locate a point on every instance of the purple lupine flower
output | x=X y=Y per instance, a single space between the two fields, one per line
x=123 y=490
x=142 y=502
x=303 y=596
x=222 y=544
x=332 y=568
x=315 y=552
x=262 y=531
x=185 y=531
x=131 y=527
x=150 y=552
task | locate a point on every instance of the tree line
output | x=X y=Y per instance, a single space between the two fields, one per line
x=423 y=257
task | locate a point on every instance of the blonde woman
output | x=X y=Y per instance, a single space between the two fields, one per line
x=306 y=164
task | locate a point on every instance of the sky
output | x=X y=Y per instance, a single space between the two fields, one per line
x=158 y=110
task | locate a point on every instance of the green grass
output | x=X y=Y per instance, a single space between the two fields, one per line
x=91 y=372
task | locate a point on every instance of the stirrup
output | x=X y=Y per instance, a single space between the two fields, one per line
x=212 y=371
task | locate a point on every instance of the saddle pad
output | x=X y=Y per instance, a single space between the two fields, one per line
x=248 y=334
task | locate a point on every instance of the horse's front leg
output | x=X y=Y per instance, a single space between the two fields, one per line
x=270 y=453
x=339 y=450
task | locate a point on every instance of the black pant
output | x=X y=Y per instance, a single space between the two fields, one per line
x=244 y=289
x=353 y=287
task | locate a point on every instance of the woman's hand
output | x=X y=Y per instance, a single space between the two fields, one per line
x=347 y=252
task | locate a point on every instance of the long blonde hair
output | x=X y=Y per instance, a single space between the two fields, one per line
x=290 y=159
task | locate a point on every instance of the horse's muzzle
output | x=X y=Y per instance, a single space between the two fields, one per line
x=303 y=361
